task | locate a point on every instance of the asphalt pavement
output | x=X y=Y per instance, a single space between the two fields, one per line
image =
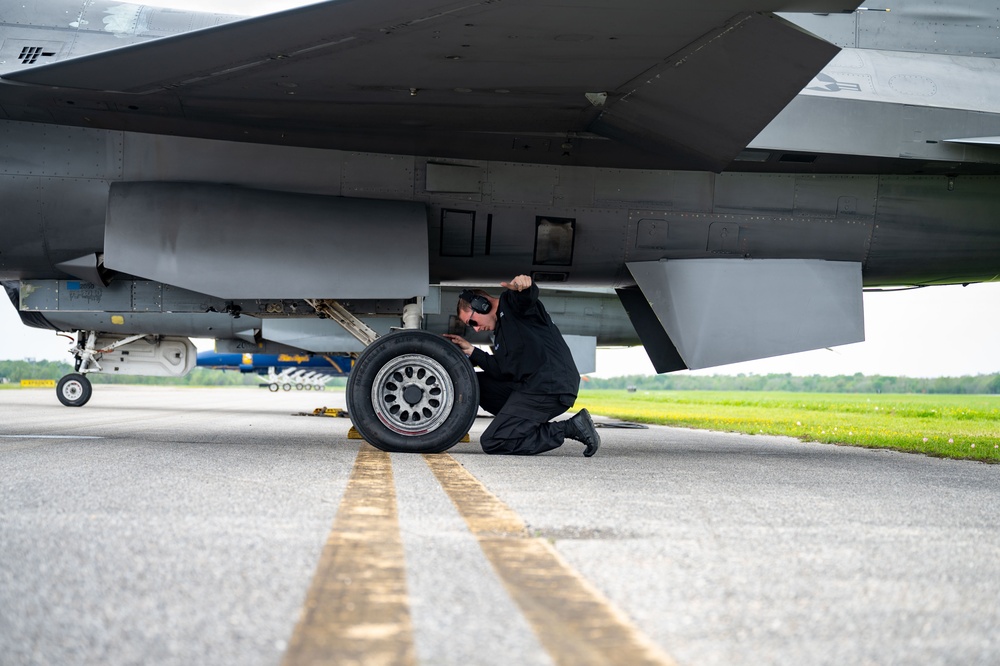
x=193 y=526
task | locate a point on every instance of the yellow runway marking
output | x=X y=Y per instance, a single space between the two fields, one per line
x=574 y=621
x=356 y=611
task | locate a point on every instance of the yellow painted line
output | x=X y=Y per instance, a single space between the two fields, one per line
x=357 y=609
x=573 y=620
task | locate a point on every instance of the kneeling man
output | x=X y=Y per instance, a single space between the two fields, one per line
x=529 y=378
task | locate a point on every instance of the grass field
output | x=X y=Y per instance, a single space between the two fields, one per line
x=952 y=426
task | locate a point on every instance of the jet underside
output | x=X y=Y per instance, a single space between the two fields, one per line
x=729 y=174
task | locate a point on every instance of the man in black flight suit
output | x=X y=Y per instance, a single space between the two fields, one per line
x=529 y=378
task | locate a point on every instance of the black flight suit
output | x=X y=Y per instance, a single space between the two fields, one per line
x=529 y=379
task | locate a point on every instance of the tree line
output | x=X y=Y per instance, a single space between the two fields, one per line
x=15 y=371
x=856 y=383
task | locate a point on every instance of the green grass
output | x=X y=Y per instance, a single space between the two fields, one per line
x=952 y=426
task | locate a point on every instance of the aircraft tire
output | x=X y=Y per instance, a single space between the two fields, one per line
x=412 y=392
x=273 y=388
x=74 y=390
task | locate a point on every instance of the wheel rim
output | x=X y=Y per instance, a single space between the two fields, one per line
x=413 y=394
x=72 y=390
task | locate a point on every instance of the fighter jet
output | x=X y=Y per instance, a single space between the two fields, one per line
x=718 y=181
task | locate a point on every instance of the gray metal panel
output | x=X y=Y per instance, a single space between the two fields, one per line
x=917 y=79
x=838 y=126
x=584 y=351
x=320 y=335
x=458 y=229
x=883 y=104
x=195 y=325
x=432 y=301
x=206 y=238
x=837 y=237
x=917 y=236
x=522 y=183
x=72 y=215
x=49 y=221
x=70 y=295
x=956 y=28
x=965 y=28
x=652 y=234
x=147 y=296
x=151 y=157
x=370 y=174
x=241 y=346
x=748 y=192
x=720 y=311
x=24 y=253
x=844 y=197
x=71 y=152
x=112 y=17
x=454 y=178
x=46 y=46
x=677 y=190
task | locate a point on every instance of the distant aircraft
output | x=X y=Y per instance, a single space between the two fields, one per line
x=282 y=371
x=327 y=179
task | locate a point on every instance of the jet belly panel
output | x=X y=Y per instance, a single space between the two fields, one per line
x=935 y=229
x=203 y=237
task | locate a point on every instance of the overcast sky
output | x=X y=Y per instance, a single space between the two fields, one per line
x=938 y=331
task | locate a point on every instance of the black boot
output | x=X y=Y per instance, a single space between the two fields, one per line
x=581 y=428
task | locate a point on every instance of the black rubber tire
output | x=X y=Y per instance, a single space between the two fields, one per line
x=412 y=365
x=74 y=390
x=273 y=388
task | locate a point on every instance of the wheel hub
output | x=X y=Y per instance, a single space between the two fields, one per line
x=72 y=390
x=413 y=394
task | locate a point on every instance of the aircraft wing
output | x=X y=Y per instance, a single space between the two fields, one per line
x=667 y=83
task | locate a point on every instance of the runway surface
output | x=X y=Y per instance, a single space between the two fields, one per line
x=214 y=526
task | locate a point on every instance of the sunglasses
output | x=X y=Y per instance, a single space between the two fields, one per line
x=472 y=322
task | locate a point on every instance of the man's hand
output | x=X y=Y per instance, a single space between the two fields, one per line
x=520 y=283
x=461 y=342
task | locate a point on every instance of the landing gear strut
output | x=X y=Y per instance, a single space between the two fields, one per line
x=74 y=390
